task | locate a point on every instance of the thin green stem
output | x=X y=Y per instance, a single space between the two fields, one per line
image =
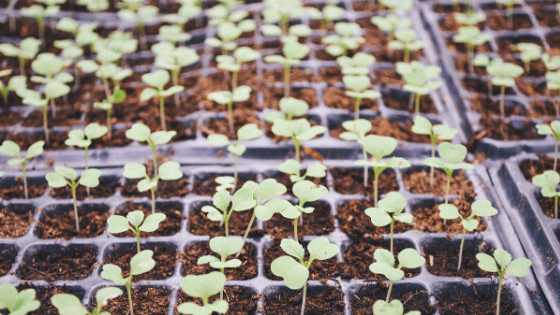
x=461 y=249
x=417 y=103
x=432 y=168
x=162 y=113
x=86 y=152
x=502 y=93
x=296 y=145
x=234 y=81
x=45 y=123
x=247 y=232
x=471 y=54
x=286 y=80
x=392 y=226
x=109 y=133
x=230 y=118
x=21 y=65
x=41 y=29
x=235 y=173
x=364 y=153
x=499 y=294
x=304 y=298
x=53 y=107
x=556 y=206
x=153 y=200
x=357 y=108
x=226 y=222
x=106 y=88
x=5 y=96
x=75 y=207
x=142 y=35
x=138 y=239
x=448 y=184
x=175 y=78
x=556 y=153
x=128 y=290
x=510 y=16
x=389 y=291
x=295 y=228
x=154 y=159
x=375 y=184
x=558 y=104
x=406 y=54
x=23 y=164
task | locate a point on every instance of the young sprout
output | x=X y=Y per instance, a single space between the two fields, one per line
x=107 y=70
x=293 y=53
x=94 y=6
x=483 y=61
x=339 y=44
x=245 y=133
x=393 y=203
x=282 y=12
x=17 y=303
x=509 y=5
x=554 y=130
x=64 y=176
x=517 y=268
x=394 y=5
x=385 y=264
x=293 y=168
x=203 y=287
x=356 y=131
x=471 y=18
x=480 y=208
x=295 y=273
x=551 y=63
x=167 y=171
x=39 y=13
x=228 y=34
x=53 y=89
x=395 y=307
x=299 y=130
x=502 y=75
x=330 y=12
x=359 y=64
x=379 y=147
x=228 y=11
x=28 y=48
x=83 y=138
x=173 y=34
x=157 y=80
x=239 y=94
x=289 y=108
x=390 y=23
x=451 y=156
x=50 y=67
x=420 y=80
x=358 y=84
x=548 y=182
x=68 y=304
x=15 y=83
x=405 y=39
x=241 y=200
x=422 y=126
x=139 y=264
x=529 y=52
x=553 y=83
x=12 y=149
x=134 y=10
x=136 y=223
x=118 y=96
x=142 y=133
x=473 y=37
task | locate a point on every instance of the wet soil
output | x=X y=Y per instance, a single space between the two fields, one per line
x=164 y=255
x=418 y=182
x=351 y=182
x=533 y=167
x=92 y=224
x=317 y=303
x=146 y=301
x=70 y=263
x=105 y=189
x=365 y=297
x=473 y=301
x=443 y=260
x=319 y=222
x=427 y=219
x=17 y=191
x=13 y=225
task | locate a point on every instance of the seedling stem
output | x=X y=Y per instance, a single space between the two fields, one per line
x=45 y=124
x=304 y=297
x=389 y=291
x=162 y=113
x=461 y=250
x=502 y=92
x=286 y=80
x=357 y=108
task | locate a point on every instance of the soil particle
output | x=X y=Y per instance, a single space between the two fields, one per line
x=531 y=88
x=170 y=226
x=533 y=167
x=146 y=301
x=164 y=255
x=330 y=301
x=199 y=224
x=319 y=222
x=351 y=182
x=362 y=301
x=427 y=219
x=13 y=225
x=92 y=224
x=7 y=259
x=17 y=191
x=241 y=300
x=331 y=75
x=418 y=182
x=70 y=263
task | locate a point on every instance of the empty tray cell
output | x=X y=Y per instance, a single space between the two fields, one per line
x=15 y=219
x=13 y=188
x=321 y=299
x=8 y=255
x=58 y=221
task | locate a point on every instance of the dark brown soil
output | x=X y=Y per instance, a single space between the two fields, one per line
x=387 y=76
x=427 y=219
x=426 y=104
x=13 y=225
x=7 y=259
x=499 y=22
x=24 y=140
x=284 y=179
x=506 y=47
x=351 y=182
x=547 y=206
x=531 y=167
x=273 y=95
x=146 y=301
x=170 y=226
x=486 y=106
x=461 y=62
x=92 y=224
x=542 y=108
x=71 y=263
x=497 y=129
x=44 y=295
x=165 y=189
x=105 y=189
x=443 y=260
x=241 y=117
x=317 y=303
x=296 y=75
x=65 y=116
x=388 y=128
x=247 y=270
x=363 y=300
x=473 y=301
x=531 y=88
x=331 y=75
x=319 y=222
x=418 y=182
x=164 y=255
x=241 y=301
x=207 y=186
x=335 y=98
x=365 y=6
x=16 y=191
x=545 y=18
x=199 y=224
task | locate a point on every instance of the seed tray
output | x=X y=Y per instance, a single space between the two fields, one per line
x=515 y=97
x=21 y=248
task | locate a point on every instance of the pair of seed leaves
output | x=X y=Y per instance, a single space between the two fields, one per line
x=294 y=32
x=293 y=53
x=173 y=58
x=229 y=32
x=356 y=65
x=293 y=168
x=548 y=182
x=338 y=44
x=502 y=72
x=239 y=94
x=418 y=77
x=204 y=286
x=451 y=156
x=157 y=80
x=166 y=171
x=16 y=82
x=393 y=203
x=480 y=208
x=358 y=85
x=17 y=303
x=406 y=39
x=12 y=149
x=28 y=48
x=385 y=263
x=63 y=176
x=83 y=138
x=68 y=304
x=516 y=268
x=245 y=133
x=423 y=126
x=289 y=107
x=139 y=264
x=552 y=129
x=240 y=56
x=391 y=22
x=471 y=35
x=135 y=222
x=142 y=133
x=379 y=147
x=223 y=246
x=395 y=307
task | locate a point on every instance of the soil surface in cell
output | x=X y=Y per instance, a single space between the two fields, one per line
x=246 y=271
x=207 y=185
x=164 y=256
x=533 y=167
x=7 y=259
x=170 y=226
x=547 y=206
x=336 y=98
x=497 y=129
x=241 y=300
x=12 y=224
x=241 y=117
x=317 y=303
x=92 y=224
x=66 y=264
x=362 y=301
x=44 y=295
x=499 y=22
x=105 y=189
x=444 y=260
x=351 y=182
x=427 y=219
x=476 y=302
x=17 y=191
x=319 y=222
x=146 y=301
x=418 y=182
x=199 y=224
x=385 y=127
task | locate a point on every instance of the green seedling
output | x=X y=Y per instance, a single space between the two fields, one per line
x=394 y=5
x=94 y=6
x=118 y=42
x=293 y=168
x=173 y=34
x=228 y=35
x=50 y=69
x=139 y=264
x=83 y=138
x=28 y=49
x=135 y=11
x=479 y=208
x=298 y=130
x=330 y=12
x=293 y=53
x=502 y=76
x=157 y=80
x=553 y=83
x=17 y=303
x=529 y=52
x=282 y=12
x=14 y=83
x=379 y=147
x=420 y=80
x=385 y=264
x=381 y=307
x=39 y=13
x=356 y=130
x=422 y=126
x=239 y=94
x=68 y=304
x=289 y=108
x=451 y=158
x=509 y=7
x=12 y=149
x=11 y=16
x=142 y=133
x=295 y=273
x=64 y=176
x=471 y=18
x=167 y=171
x=551 y=63
x=548 y=182
x=483 y=61
x=359 y=64
x=203 y=287
x=517 y=268
x=241 y=200
x=554 y=130
x=473 y=37
x=118 y=96
x=358 y=86
x=339 y=44
x=136 y=223
x=227 y=11
x=107 y=70
x=245 y=133
x=390 y=23
x=405 y=39
x=394 y=203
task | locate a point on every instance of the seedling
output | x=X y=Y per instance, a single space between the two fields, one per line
x=299 y=130
x=357 y=65
x=473 y=37
x=167 y=171
x=134 y=10
x=39 y=13
x=548 y=182
x=28 y=48
x=405 y=39
x=358 y=85
x=330 y=12
x=17 y=303
x=395 y=5
x=12 y=149
x=509 y=5
x=157 y=80
x=173 y=34
x=15 y=83
x=95 y=6
x=422 y=126
x=118 y=96
x=420 y=80
x=529 y=52
x=394 y=203
x=136 y=223
x=282 y=12
x=228 y=33
x=339 y=44
x=203 y=287
x=553 y=83
x=139 y=264
x=517 y=268
x=50 y=67
x=381 y=307
x=289 y=108
x=241 y=200
x=239 y=94
x=141 y=133
x=551 y=63
x=471 y=18
x=379 y=147
x=228 y=11
x=245 y=133
x=83 y=138
x=64 y=176
x=480 y=208
x=502 y=76
x=356 y=131
x=451 y=158
x=385 y=264
x=68 y=304
x=554 y=130
x=293 y=53
x=390 y=23
x=293 y=168
x=295 y=273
